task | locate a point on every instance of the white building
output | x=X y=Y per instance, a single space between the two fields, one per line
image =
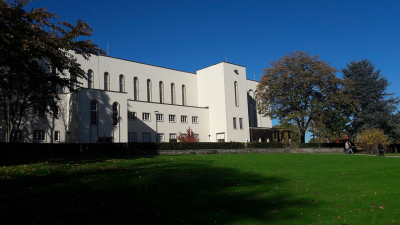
x=126 y=101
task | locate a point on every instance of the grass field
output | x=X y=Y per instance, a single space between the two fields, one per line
x=202 y=189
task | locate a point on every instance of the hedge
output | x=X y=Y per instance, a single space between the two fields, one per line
x=47 y=149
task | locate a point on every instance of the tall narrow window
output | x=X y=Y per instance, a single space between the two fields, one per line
x=121 y=83
x=90 y=79
x=234 y=122
x=149 y=90
x=183 y=95
x=236 y=94
x=135 y=89
x=56 y=135
x=106 y=81
x=115 y=115
x=251 y=107
x=72 y=81
x=161 y=87
x=93 y=112
x=172 y=93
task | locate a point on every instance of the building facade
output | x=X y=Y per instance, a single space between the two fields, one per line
x=123 y=101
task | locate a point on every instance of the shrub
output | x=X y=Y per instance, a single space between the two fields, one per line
x=190 y=136
x=368 y=140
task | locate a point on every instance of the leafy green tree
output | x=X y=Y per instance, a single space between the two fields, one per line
x=31 y=46
x=376 y=107
x=300 y=89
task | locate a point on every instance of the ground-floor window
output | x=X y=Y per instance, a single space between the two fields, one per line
x=160 y=137
x=132 y=136
x=39 y=135
x=56 y=135
x=195 y=119
x=241 y=123
x=146 y=137
x=172 y=136
x=18 y=136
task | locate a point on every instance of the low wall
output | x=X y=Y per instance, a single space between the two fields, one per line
x=240 y=151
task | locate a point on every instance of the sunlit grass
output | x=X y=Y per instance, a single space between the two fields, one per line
x=203 y=189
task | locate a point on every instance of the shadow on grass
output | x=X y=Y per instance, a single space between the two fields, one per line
x=131 y=190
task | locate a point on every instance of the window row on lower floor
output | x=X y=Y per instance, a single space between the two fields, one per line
x=37 y=135
x=146 y=137
x=160 y=117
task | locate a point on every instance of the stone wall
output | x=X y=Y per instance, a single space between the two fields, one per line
x=243 y=151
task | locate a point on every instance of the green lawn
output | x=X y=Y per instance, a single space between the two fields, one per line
x=197 y=189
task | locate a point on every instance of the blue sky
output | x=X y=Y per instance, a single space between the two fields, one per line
x=190 y=35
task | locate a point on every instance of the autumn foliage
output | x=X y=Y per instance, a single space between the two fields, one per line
x=368 y=140
x=190 y=136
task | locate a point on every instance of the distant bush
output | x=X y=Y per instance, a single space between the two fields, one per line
x=368 y=140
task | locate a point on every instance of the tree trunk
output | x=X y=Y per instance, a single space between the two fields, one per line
x=302 y=137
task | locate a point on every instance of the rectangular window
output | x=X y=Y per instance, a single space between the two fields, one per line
x=131 y=115
x=172 y=118
x=172 y=136
x=241 y=123
x=35 y=109
x=195 y=119
x=56 y=135
x=160 y=137
x=18 y=136
x=183 y=119
x=234 y=122
x=17 y=109
x=146 y=117
x=146 y=137
x=160 y=117
x=132 y=136
x=39 y=135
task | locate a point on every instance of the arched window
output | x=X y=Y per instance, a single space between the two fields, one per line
x=93 y=112
x=236 y=94
x=250 y=98
x=149 y=90
x=173 y=93
x=135 y=89
x=121 y=83
x=115 y=115
x=161 y=87
x=183 y=95
x=90 y=79
x=106 y=81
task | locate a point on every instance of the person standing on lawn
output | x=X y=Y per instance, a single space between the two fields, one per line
x=380 y=149
x=350 y=148
x=347 y=146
